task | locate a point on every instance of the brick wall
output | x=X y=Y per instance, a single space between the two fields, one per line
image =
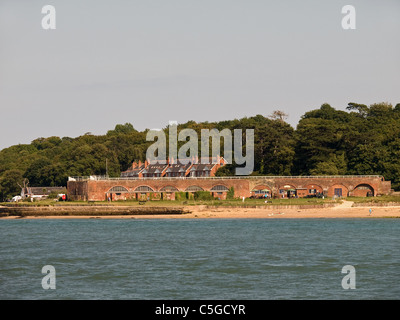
x=98 y=190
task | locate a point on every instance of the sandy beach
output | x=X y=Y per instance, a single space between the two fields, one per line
x=342 y=211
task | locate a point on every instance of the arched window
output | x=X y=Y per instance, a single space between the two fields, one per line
x=144 y=189
x=261 y=190
x=194 y=189
x=169 y=189
x=118 y=189
x=219 y=188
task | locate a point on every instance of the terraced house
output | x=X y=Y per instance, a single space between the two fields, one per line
x=194 y=167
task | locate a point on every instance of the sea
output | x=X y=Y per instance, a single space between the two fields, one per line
x=246 y=259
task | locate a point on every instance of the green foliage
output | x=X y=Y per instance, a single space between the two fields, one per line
x=231 y=193
x=9 y=184
x=181 y=196
x=54 y=194
x=203 y=195
x=226 y=171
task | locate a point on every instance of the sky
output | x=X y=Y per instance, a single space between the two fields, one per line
x=148 y=62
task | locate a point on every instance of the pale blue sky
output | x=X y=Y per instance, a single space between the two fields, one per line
x=150 y=61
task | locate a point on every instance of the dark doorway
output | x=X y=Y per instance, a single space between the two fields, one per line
x=338 y=192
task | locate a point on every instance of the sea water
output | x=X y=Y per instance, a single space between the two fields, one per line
x=200 y=259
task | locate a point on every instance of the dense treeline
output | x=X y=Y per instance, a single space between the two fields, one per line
x=362 y=140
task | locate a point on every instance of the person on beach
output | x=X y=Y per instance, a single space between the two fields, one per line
x=370 y=211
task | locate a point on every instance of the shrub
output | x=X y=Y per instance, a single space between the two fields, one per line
x=203 y=195
x=231 y=193
x=180 y=196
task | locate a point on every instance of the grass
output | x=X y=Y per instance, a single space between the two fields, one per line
x=380 y=199
x=167 y=203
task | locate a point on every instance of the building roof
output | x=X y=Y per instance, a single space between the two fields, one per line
x=43 y=190
x=173 y=167
x=178 y=167
x=133 y=172
x=155 y=168
x=202 y=167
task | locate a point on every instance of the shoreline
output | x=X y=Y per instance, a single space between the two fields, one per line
x=345 y=210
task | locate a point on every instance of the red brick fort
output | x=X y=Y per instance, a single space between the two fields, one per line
x=163 y=179
x=97 y=188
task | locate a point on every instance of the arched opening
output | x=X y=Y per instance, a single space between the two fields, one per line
x=117 y=193
x=143 y=192
x=363 y=190
x=168 y=192
x=261 y=191
x=287 y=191
x=219 y=191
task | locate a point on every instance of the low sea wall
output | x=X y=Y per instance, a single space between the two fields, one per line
x=110 y=210
x=24 y=211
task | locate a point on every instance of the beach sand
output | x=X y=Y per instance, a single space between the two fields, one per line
x=342 y=211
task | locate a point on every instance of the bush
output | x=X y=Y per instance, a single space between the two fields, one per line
x=203 y=195
x=189 y=195
x=231 y=193
x=53 y=195
x=180 y=196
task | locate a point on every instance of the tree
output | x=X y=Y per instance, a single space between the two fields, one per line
x=321 y=140
x=10 y=183
x=36 y=172
x=274 y=148
x=122 y=128
x=279 y=115
x=362 y=109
